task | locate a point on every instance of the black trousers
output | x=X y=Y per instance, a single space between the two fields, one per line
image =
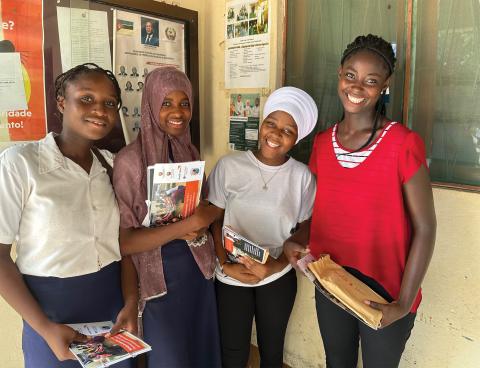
x=271 y=305
x=341 y=333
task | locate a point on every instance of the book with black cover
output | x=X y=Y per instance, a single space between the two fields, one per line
x=237 y=245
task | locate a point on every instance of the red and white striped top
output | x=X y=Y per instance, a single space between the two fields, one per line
x=350 y=159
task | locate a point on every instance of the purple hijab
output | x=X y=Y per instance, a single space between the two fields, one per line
x=129 y=177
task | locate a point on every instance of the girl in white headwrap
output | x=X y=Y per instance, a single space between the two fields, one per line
x=264 y=195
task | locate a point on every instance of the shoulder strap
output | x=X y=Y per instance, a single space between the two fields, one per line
x=104 y=163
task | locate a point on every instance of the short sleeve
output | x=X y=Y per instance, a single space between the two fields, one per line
x=313 y=156
x=217 y=193
x=412 y=156
x=308 y=196
x=11 y=197
x=124 y=172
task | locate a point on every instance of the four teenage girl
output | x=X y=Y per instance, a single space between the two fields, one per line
x=59 y=207
x=373 y=213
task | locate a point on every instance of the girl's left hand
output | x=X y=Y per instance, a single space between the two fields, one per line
x=127 y=319
x=262 y=271
x=391 y=312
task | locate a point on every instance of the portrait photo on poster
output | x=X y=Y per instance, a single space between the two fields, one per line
x=149 y=34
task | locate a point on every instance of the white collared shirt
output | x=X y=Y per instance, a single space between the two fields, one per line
x=65 y=220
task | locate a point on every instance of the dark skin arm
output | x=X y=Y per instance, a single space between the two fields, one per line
x=419 y=200
x=234 y=270
x=16 y=294
x=296 y=246
x=135 y=240
x=128 y=315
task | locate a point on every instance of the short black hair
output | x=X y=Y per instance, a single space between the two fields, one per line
x=375 y=44
x=73 y=74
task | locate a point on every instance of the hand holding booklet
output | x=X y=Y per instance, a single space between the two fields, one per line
x=100 y=351
x=173 y=191
x=342 y=288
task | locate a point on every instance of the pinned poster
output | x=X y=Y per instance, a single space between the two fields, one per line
x=247 y=44
x=143 y=43
x=12 y=89
x=21 y=50
x=83 y=36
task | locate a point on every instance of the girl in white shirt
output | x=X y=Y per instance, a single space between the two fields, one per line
x=264 y=195
x=59 y=207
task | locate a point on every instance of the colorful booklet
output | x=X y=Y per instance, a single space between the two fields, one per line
x=237 y=245
x=173 y=191
x=342 y=288
x=101 y=351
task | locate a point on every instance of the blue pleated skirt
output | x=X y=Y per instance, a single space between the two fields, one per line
x=182 y=326
x=89 y=298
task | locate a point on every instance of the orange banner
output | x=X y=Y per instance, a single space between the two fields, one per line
x=22 y=31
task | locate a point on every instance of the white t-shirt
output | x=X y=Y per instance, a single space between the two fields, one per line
x=266 y=217
x=65 y=220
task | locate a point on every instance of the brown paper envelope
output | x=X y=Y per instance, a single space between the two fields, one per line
x=348 y=289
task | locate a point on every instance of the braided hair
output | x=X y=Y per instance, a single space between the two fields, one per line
x=383 y=49
x=73 y=74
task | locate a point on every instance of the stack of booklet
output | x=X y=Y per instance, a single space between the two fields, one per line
x=101 y=351
x=173 y=191
x=342 y=288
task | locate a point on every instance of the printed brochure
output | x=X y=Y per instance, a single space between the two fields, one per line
x=101 y=351
x=173 y=191
x=237 y=245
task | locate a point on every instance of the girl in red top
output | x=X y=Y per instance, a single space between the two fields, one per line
x=373 y=211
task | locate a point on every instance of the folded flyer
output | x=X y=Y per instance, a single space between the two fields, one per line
x=101 y=351
x=237 y=245
x=342 y=288
x=173 y=191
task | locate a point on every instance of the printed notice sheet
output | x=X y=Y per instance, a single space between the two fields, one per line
x=247 y=44
x=83 y=37
x=11 y=83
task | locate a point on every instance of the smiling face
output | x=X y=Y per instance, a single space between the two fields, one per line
x=175 y=113
x=89 y=107
x=361 y=79
x=277 y=136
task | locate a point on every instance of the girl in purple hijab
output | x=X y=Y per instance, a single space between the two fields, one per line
x=177 y=300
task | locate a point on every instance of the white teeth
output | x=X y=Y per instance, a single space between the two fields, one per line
x=97 y=123
x=175 y=122
x=355 y=100
x=273 y=145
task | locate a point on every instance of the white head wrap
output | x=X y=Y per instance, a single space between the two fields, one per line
x=298 y=104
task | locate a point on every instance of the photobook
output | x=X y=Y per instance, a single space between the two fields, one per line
x=173 y=191
x=101 y=351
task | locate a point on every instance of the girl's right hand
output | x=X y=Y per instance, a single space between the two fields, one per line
x=205 y=214
x=59 y=337
x=294 y=251
x=194 y=234
x=239 y=272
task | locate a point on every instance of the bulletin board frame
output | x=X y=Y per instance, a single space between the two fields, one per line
x=53 y=66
